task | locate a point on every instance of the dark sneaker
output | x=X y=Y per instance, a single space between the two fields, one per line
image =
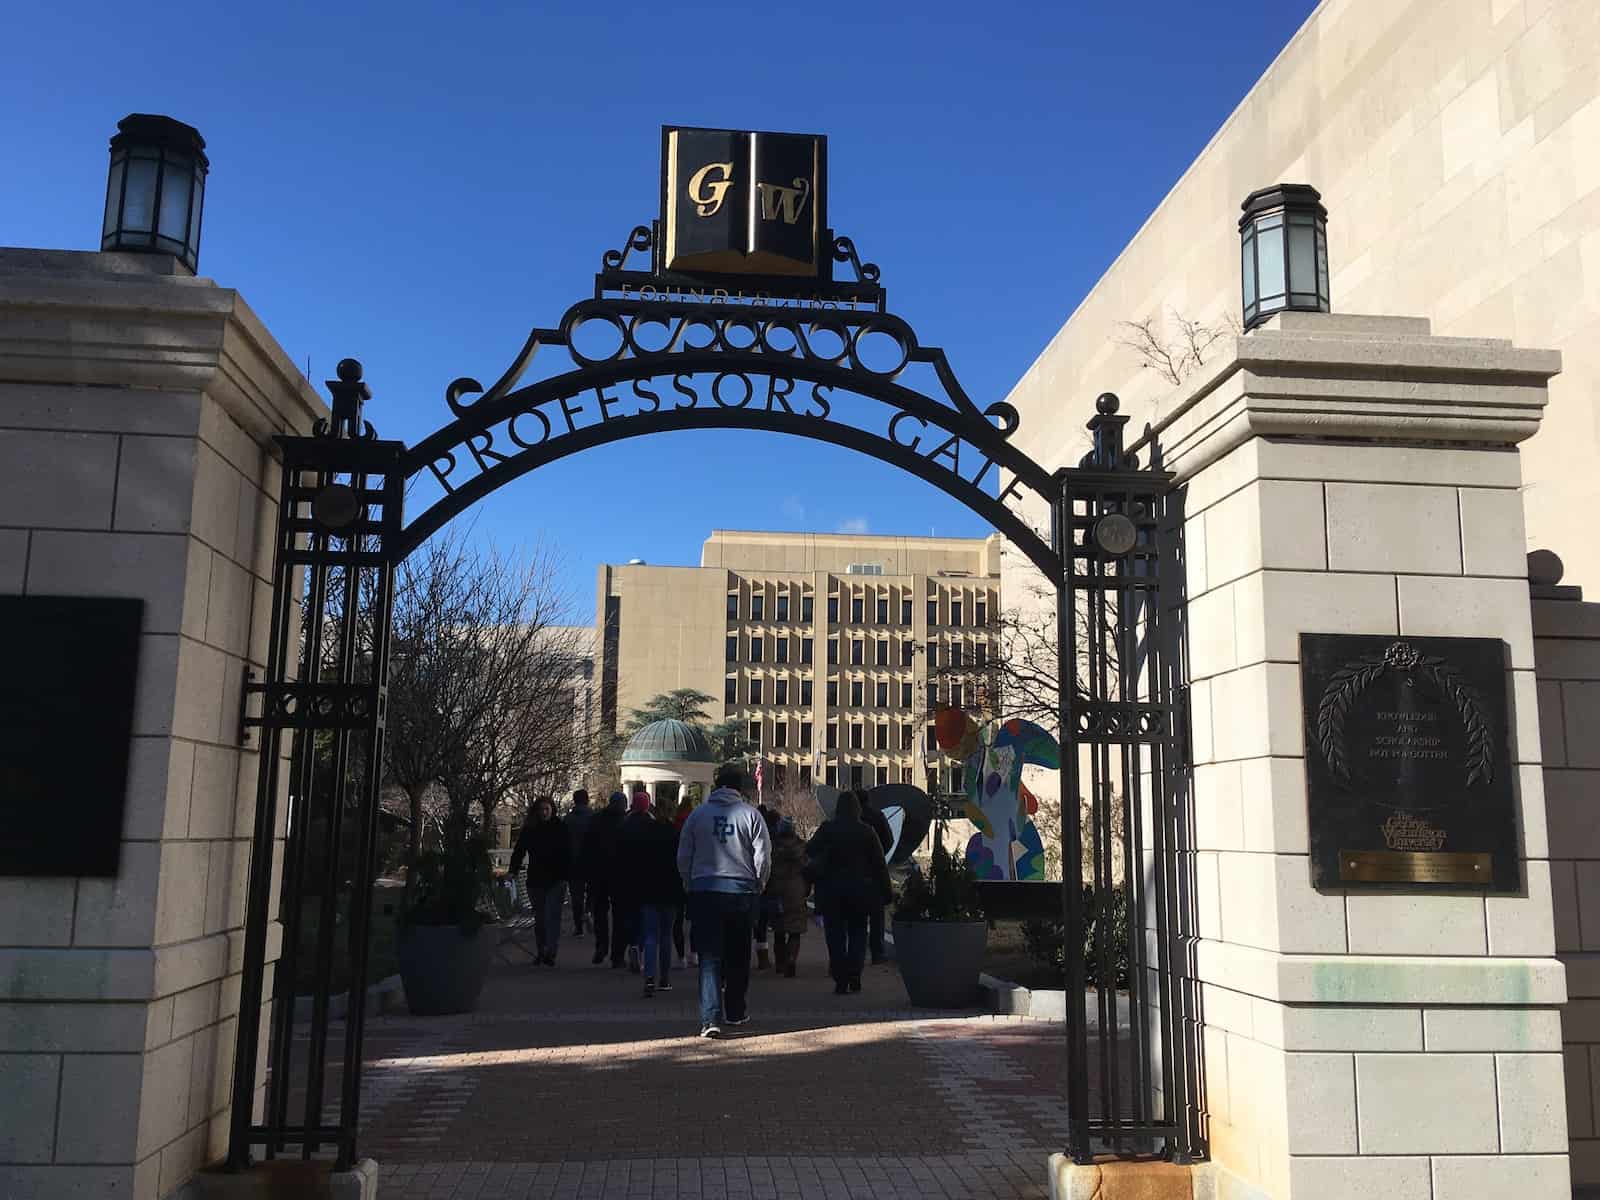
x=710 y=1031
x=744 y=1020
x=840 y=988
x=599 y=957
x=633 y=959
x=855 y=985
x=664 y=986
x=649 y=987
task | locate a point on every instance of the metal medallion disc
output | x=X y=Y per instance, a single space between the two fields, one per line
x=1115 y=534
x=335 y=506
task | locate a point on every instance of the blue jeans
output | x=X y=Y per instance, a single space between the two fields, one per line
x=720 y=926
x=655 y=934
x=546 y=904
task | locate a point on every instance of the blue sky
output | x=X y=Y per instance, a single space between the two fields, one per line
x=418 y=185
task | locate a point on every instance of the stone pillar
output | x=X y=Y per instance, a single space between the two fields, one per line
x=136 y=417
x=1357 y=475
x=1566 y=651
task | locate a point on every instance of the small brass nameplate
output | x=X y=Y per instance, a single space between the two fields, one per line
x=1414 y=866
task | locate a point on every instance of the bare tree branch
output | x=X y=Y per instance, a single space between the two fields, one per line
x=1176 y=348
x=481 y=676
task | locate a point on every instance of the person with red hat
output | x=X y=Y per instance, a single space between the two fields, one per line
x=647 y=859
x=639 y=818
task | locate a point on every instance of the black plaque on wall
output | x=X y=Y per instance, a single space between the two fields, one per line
x=1409 y=780
x=70 y=666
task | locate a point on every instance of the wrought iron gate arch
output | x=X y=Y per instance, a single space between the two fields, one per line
x=453 y=445
x=341 y=523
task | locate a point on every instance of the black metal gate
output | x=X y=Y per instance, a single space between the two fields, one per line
x=342 y=532
x=1131 y=1045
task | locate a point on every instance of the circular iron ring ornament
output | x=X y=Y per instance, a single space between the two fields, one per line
x=335 y=507
x=1115 y=535
x=743 y=331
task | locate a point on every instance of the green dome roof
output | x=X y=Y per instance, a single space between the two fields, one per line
x=668 y=740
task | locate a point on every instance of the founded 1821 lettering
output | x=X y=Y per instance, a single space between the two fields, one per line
x=1409 y=779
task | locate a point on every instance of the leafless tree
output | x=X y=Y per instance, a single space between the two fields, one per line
x=481 y=677
x=798 y=802
x=1176 y=348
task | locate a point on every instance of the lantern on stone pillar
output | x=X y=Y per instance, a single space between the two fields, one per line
x=1283 y=252
x=156 y=189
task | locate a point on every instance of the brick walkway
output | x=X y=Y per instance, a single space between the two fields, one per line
x=568 y=1083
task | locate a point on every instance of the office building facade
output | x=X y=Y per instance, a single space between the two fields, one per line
x=829 y=650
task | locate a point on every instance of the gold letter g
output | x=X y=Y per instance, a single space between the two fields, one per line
x=706 y=193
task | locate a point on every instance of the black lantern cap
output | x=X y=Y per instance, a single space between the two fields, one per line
x=1282 y=195
x=152 y=129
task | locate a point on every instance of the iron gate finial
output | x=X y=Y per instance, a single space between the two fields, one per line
x=1106 y=425
x=349 y=394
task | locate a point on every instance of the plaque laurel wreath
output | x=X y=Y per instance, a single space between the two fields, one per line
x=1346 y=685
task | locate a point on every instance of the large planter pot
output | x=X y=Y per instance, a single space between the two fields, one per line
x=443 y=969
x=940 y=961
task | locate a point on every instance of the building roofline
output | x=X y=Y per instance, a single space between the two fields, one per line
x=855 y=537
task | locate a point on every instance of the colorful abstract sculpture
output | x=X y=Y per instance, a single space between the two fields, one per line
x=1007 y=845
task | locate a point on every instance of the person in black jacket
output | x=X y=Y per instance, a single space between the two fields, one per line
x=647 y=871
x=879 y=825
x=543 y=842
x=845 y=861
x=597 y=865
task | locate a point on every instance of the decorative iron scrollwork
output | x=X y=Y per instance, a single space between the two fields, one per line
x=319 y=705
x=1119 y=722
x=844 y=250
x=640 y=239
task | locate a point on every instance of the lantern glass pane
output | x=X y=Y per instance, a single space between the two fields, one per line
x=175 y=201
x=113 y=198
x=1322 y=267
x=1269 y=261
x=1302 y=262
x=194 y=211
x=141 y=195
x=1247 y=269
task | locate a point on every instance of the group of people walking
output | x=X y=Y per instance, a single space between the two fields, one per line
x=737 y=873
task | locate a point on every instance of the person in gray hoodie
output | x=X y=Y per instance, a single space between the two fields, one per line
x=724 y=856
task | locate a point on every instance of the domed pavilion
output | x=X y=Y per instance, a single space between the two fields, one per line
x=670 y=758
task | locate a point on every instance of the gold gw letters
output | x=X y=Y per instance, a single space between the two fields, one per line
x=707 y=194
x=792 y=200
x=708 y=187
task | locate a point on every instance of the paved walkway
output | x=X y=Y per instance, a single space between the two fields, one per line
x=568 y=1083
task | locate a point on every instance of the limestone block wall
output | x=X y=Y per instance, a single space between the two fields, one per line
x=136 y=411
x=1457 y=147
x=1566 y=648
x=1404 y=1045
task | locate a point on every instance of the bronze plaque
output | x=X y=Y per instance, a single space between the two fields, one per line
x=1409 y=779
x=66 y=724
